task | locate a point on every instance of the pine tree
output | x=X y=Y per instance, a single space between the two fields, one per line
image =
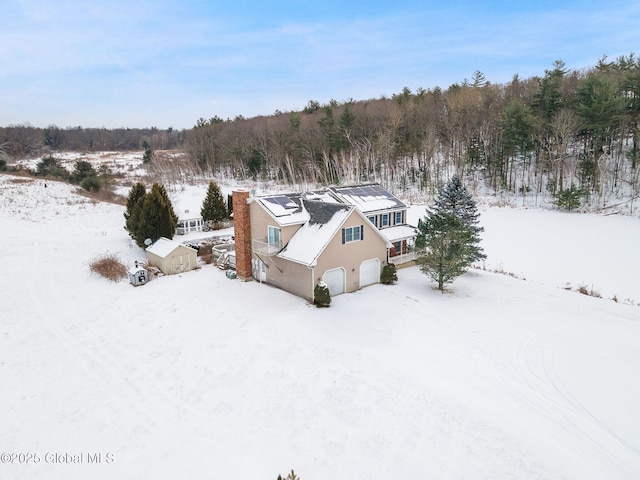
x=150 y=215
x=134 y=207
x=451 y=235
x=213 y=207
x=291 y=476
x=82 y=170
x=389 y=274
x=457 y=201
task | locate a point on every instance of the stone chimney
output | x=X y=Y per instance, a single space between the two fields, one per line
x=242 y=233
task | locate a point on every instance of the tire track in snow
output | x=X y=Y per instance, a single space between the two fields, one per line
x=527 y=373
x=533 y=367
x=99 y=358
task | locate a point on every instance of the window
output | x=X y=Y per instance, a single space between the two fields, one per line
x=373 y=219
x=398 y=218
x=274 y=236
x=384 y=220
x=352 y=234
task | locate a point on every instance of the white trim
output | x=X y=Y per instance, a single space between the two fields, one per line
x=344 y=279
x=377 y=260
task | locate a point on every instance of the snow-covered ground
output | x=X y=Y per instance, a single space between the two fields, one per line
x=128 y=163
x=199 y=376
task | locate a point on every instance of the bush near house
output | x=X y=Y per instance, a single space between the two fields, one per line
x=389 y=274
x=321 y=295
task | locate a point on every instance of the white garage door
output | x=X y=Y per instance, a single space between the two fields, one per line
x=369 y=272
x=335 y=280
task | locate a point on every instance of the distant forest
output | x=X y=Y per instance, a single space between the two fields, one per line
x=538 y=136
x=25 y=141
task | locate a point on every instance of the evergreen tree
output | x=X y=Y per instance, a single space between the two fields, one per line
x=457 y=201
x=134 y=207
x=157 y=218
x=451 y=235
x=548 y=99
x=321 y=295
x=449 y=250
x=149 y=215
x=51 y=167
x=213 y=207
x=389 y=274
x=81 y=170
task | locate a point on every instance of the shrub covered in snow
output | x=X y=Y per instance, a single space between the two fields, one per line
x=321 y=295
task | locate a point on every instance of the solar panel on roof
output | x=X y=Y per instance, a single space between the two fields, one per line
x=281 y=205
x=368 y=197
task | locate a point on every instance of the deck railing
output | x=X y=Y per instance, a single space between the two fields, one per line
x=262 y=246
x=403 y=258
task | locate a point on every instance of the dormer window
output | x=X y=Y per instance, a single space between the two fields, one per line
x=398 y=218
x=384 y=220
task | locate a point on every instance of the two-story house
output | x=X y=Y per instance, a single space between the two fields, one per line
x=294 y=241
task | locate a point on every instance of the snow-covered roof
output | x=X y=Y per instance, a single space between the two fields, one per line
x=163 y=247
x=325 y=219
x=187 y=204
x=368 y=198
x=134 y=270
x=287 y=209
x=400 y=232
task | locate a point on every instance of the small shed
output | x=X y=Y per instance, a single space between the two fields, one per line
x=138 y=275
x=171 y=257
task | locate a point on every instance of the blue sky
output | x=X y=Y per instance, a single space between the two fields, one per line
x=137 y=63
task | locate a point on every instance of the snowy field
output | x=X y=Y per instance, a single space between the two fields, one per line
x=199 y=376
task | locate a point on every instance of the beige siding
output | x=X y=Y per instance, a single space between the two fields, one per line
x=351 y=255
x=261 y=220
x=290 y=276
x=181 y=259
x=300 y=279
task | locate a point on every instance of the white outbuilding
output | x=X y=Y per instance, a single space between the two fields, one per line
x=138 y=275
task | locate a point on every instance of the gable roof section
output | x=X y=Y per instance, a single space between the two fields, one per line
x=187 y=205
x=325 y=221
x=286 y=209
x=368 y=198
x=163 y=247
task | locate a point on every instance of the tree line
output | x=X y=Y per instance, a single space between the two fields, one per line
x=26 y=141
x=564 y=130
x=568 y=134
